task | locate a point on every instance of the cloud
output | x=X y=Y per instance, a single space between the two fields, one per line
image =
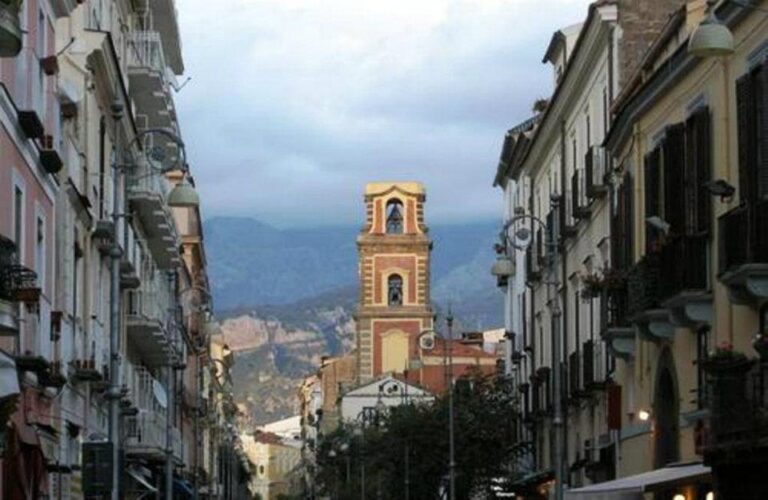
x=295 y=104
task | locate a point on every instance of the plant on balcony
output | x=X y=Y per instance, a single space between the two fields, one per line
x=605 y=279
x=725 y=358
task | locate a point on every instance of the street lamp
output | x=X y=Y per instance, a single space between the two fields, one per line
x=180 y=195
x=448 y=370
x=712 y=38
x=509 y=246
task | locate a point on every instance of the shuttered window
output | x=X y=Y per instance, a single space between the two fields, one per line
x=673 y=159
x=652 y=192
x=698 y=172
x=752 y=109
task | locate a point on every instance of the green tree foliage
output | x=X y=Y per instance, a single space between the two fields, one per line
x=416 y=437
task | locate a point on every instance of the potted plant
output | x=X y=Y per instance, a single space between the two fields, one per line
x=593 y=285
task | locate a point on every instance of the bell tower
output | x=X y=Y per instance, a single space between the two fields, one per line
x=394 y=305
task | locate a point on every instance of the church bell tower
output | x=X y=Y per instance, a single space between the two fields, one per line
x=394 y=306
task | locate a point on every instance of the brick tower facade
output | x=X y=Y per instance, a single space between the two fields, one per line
x=394 y=250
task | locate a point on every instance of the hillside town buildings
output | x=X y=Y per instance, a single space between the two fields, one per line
x=107 y=347
x=645 y=168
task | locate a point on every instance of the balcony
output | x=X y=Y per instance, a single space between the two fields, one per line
x=10 y=28
x=594 y=171
x=644 y=299
x=594 y=370
x=147 y=193
x=744 y=252
x=133 y=258
x=575 y=386
x=738 y=417
x=146 y=429
x=149 y=79
x=617 y=330
x=9 y=321
x=149 y=320
x=684 y=280
x=579 y=201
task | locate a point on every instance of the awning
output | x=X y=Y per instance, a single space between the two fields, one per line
x=9 y=379
x=182 y=488
x=138 y=475
x=633 y=487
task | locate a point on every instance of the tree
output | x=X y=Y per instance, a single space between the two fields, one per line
x=415 y=438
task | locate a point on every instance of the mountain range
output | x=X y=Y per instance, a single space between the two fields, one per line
x=288 y=296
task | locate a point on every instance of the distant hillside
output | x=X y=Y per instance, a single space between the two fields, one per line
x=252 y=264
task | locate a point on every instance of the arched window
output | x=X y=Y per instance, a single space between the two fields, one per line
x=395 y=290
x=394 y=217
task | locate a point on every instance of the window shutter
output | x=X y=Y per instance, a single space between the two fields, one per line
x=674 y=178
x=762 y=134
x=629 y=220
x=744 y=110
x=652 y=200
x=703 y=170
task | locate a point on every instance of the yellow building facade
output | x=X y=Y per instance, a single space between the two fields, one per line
x=689 y=145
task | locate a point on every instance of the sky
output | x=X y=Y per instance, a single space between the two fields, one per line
x=293 y=105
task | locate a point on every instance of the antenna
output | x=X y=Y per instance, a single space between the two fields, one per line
x=178 y=88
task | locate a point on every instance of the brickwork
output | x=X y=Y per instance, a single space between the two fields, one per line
x=640 y=23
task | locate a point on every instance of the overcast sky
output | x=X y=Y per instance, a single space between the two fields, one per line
x=294 y=105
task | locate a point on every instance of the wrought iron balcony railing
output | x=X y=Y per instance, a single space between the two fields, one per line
x=738 y=399
x=594 y=171
x=743 y=236
x=643 y=290
x=684 y=265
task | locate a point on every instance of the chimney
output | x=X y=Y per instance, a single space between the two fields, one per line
x=640 y=23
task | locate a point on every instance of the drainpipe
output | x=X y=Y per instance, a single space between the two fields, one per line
x=554 y=301
x=561 y=250
x=113 y=394
x=171 y=374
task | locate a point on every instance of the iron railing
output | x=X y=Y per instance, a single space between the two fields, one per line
x=594 y=172
x=683 y=265
x=738 y=399
x=643 y=290
x=146 y=51
x=743 y=236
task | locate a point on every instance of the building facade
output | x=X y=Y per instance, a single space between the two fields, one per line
x=83 y=90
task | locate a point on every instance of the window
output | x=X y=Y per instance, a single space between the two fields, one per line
x=676 y=172
x=395 y=290
x=394 y=217
x=18 y=222
x=752 y=106
x=40 y=252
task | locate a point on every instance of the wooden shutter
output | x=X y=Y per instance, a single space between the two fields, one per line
x=761 y=124
x=674 y=178
x=703 y=170
x=629 y=220
x=652 y=199
x=746 y=152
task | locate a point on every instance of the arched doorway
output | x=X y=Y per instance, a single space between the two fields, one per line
x=666 y=411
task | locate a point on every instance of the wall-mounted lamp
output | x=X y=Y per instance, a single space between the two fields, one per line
x=503 y=267
x=721 y=188
x=644 y=415
x=659 y=224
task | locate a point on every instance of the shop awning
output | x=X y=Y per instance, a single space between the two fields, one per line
x=633 y=487
x=138 y=475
